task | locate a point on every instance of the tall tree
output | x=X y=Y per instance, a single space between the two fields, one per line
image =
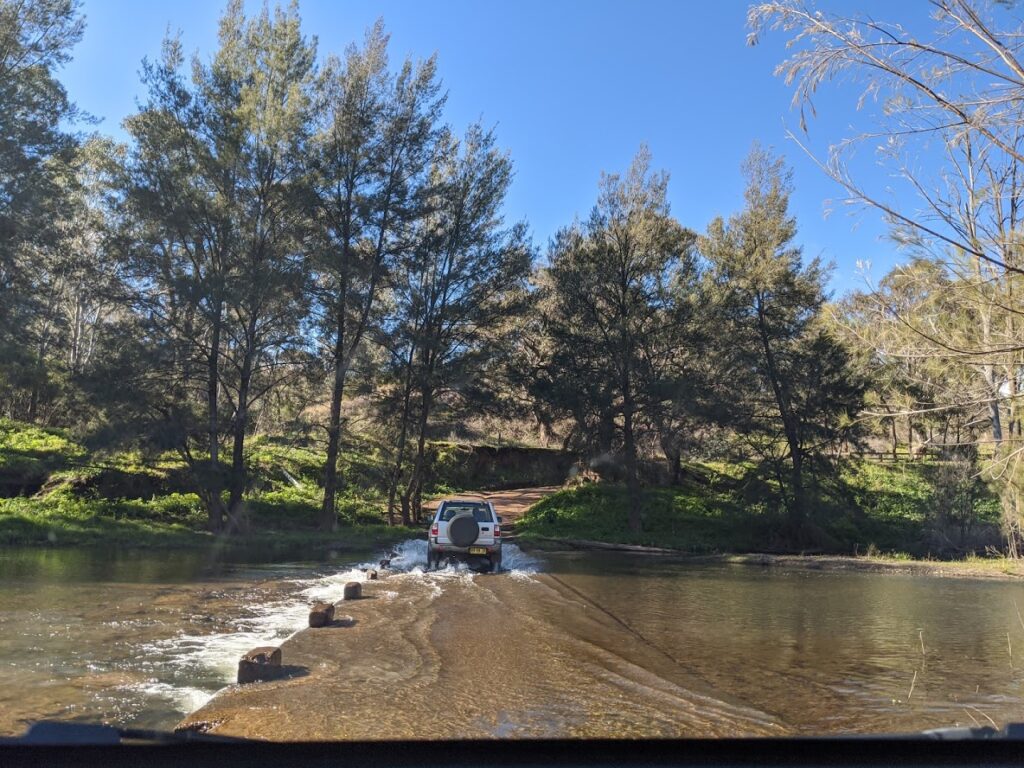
x=36 y=37
x=948 y=127
x=372 y=152
x=610 y=279
x=219 y=197
x=259 y=100
x=785 y=376
x=463 y=277
x=77 y=282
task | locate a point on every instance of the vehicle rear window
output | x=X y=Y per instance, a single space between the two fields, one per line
x=481 y=512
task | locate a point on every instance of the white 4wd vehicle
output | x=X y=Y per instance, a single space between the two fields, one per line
x=465 y=530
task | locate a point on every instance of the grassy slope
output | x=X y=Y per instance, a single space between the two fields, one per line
x=875 y=508
x=124 y=500
x=70 y=497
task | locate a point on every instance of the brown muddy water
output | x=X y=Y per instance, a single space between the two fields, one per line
x=581 y=644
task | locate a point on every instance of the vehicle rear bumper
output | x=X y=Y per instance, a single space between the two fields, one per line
x=451 y=549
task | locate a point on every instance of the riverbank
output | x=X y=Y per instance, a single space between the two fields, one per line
x=56 y=492
x=999 y=568
x=53 y=491
x=43 y=523
x=867 y=509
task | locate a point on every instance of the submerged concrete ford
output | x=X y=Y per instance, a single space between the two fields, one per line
x=467 y=531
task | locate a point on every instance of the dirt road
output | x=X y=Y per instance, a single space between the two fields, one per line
x=511 y=505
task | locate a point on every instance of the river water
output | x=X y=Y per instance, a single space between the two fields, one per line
x=564 y=644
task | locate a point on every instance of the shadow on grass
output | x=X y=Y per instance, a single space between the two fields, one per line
x=853 y=508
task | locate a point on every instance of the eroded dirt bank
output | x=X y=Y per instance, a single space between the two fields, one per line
x=451 y=655
x=511 y=504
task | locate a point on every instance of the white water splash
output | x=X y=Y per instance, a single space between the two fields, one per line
x=215 y=656
x=411 y=557
x=184 y=698
x=519 y=564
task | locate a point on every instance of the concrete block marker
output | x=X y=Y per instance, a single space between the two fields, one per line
x=371 y=575
x=353 y=590
x=321 y=614
x=263 y=663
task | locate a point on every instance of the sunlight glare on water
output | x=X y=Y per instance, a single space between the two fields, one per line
x=274 y=622
x=723 y=648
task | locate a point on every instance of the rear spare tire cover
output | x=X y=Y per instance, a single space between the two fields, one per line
x=463 y=530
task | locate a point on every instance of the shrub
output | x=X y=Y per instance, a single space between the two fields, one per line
x=28 y=454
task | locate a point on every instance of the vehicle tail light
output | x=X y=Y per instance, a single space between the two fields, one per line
x=433 y=530
x=497 y=531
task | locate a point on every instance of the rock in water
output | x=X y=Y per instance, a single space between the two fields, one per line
x=263 y=663
x=321 y=614
x=353 y=590
x=371 y=575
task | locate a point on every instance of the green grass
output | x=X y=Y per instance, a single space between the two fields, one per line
x=175 y=520
x=53 y=492
x=28 y=454
x=882 y=509
x=62 y=519
x=675 y=518
x=890 y=507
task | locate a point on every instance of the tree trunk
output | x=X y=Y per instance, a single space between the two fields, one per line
x=33 y=402
x=406 y=518
x=606 y=432
x=629 y=443
x=236 y=484
x=414 y=490
x=37 y=379
x=997 y=427
x=789 y=425
x=236 y=487
x=214 y=504
x=328 y=514
x=797 y=511
x=396 y=471
x=676 y=467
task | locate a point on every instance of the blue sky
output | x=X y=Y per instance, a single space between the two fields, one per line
x=573 y=87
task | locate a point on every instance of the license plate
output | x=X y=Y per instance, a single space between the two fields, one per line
x=478 y=550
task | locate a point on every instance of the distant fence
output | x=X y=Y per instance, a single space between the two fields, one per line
x=931 y=453
x=886 y=456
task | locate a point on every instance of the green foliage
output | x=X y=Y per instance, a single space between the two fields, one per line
x=66 y=520
x=62 y=518
x=784 y=381
x=881 y=508
x=673 y=518
x=269 y=460
x=614 y=303
x=28 y=454
x=36 y=37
